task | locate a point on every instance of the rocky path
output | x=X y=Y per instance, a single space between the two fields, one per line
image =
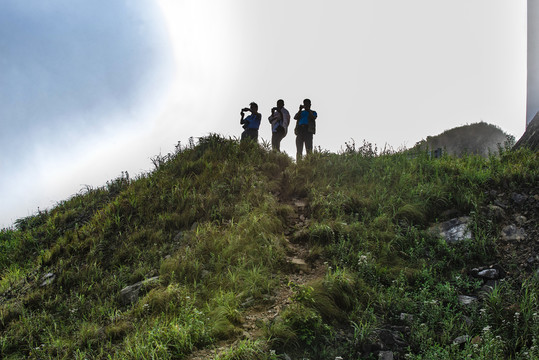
x=302 y=269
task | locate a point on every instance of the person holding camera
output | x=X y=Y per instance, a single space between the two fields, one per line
x=305 y=128
x=279 y=120
x=250 y=123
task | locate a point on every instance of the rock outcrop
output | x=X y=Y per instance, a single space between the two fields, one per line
x=530 y=139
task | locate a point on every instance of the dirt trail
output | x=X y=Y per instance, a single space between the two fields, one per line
x=302 y=270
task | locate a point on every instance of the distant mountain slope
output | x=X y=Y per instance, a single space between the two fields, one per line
x=530 y=139
x=479 y=138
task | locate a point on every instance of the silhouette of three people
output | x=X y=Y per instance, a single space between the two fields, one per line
x=280 y=120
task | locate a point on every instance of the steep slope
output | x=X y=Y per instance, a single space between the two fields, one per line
x=232 y=251
x=530 y=138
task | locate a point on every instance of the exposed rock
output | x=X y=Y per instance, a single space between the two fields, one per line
x=180 y=235
x=501 y=203
x=461 y=339
x=385 y=355
x=299 y=264
x=47 y=279
x=467 y=300
x=300 y=204
x=491 y=274
x=406 y=317
x=518 y=199
x=454 y=230
x=130 y=294
x=530 y=139
x=520 y=219
x=513 y=233
x=250 y=301
x=495 y=212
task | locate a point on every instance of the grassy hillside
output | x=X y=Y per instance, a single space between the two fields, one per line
x=258 y=257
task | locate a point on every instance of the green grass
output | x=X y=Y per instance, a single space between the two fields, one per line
x=210 y=219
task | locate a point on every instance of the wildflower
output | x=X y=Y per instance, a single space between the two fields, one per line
x=362 y=260
x=486 y=328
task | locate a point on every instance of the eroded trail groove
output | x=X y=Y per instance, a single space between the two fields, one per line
x=302 y=268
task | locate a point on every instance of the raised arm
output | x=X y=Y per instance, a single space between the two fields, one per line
x=298 y=114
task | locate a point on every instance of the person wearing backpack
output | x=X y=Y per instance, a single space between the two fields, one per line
x=250 y=123
x=279 y=120
x=305 y=128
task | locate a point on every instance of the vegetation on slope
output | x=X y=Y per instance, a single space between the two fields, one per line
x=210 y=221
x=478 y=139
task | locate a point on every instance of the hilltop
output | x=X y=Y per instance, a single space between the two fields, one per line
x=232 y=251
x=478 y=139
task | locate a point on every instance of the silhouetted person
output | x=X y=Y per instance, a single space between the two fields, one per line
x=279 y=120
x=305 y=128
x=251 y=123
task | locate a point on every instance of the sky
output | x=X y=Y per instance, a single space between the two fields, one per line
x=89 y=89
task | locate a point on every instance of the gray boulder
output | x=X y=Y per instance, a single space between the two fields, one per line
x=131 y=293
x=47 y=279
x=454 y=230
x=490 y=274
x=513 y=233
x=467 y=300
